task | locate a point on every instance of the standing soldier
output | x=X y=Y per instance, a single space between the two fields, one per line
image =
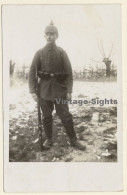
x=55 y=72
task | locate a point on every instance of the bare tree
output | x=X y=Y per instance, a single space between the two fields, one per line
x=106 y=60
x=12 y=67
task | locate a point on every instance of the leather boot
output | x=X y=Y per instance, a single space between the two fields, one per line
x=47 y=144
x=69 y=126
x=72 y=135
x=47 y=122
x=75 y=143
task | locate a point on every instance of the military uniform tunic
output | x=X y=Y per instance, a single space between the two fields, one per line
x=51 y=59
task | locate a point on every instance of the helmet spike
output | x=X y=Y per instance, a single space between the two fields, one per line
x=51 y=23
x=51 y=28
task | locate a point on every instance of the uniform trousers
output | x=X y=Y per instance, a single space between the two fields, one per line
x=62 y=111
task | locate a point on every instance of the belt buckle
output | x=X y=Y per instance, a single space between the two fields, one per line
x=52 y=74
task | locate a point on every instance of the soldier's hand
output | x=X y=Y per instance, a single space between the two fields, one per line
x=34 y=96
x=69 y=96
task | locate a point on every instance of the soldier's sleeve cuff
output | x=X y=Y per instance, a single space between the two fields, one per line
x=69 y=91
x=32 y=91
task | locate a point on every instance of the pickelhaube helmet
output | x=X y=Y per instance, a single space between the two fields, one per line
x=51 y=28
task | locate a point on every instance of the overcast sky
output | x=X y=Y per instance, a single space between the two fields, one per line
x=81 y=28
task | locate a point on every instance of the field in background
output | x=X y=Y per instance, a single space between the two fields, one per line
x=96 y=126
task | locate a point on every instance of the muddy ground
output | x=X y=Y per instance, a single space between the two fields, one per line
x=96 y=127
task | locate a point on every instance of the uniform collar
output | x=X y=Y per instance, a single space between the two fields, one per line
x=50 y=46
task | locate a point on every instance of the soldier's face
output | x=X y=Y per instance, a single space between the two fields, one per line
x=51 y=37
